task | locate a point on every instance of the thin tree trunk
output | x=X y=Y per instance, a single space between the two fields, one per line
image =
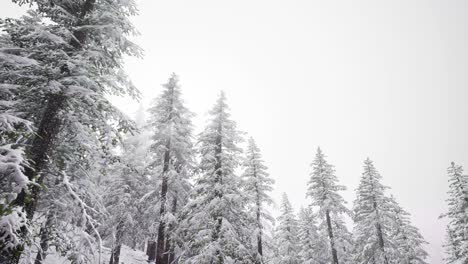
x=332 y=239
x=381 y=241
x=115 y=255
x=170 y=254
x=160 y=244
x=151 y=250
x=219 y=179
x=161 y=239
x=259 y=221
x=45 y=236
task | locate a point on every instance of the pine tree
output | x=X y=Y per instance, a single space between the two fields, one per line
x=173 y=155
x=408 y=240
x=457 y=229
x=258 y=184
x=123 y=190
x=215 y=227
x=13 y=130
x=373 y=219
x=323 y=189
x=286 y=236
x=313 y=247
x=75 y=62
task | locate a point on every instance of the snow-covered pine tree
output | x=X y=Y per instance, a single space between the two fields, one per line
x=313 y=246
x=258 y=185
x=79 y=63
x=173 y=156
x=323 y=189
x=286 y=234
x=215 y=227
x=408 y=240
x=13 y=132
x=127 y=183
x=457 y=229
x=374 y=220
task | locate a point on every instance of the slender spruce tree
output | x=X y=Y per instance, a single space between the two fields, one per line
x=172 y=151
x=258 y=185
x=287 y=239
x=457 y=229
x=323 y=189
x=373 y=219
x=215 y=226
x=313 y=245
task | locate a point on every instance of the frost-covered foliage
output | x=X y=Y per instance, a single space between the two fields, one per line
x=10 y=225
x=383 y=232
x=314 y=248
x=134 y=172
x=172 y=160
x=258 y=185
x=323 y=189
x=58 y=74
x=457 y=229
x=373 y=219
x=286 y=235
x=408 y=240
x=215 y=227
x=14 y=131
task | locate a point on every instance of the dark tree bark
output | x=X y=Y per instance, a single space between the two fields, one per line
x=161 y=239
x=380 y=235
x=332 y=239
x=219 y=179
x=160 y=245
x=259 y=223
x=151 y=250
x=115 y=255
x=45 y=237
x=170 y=254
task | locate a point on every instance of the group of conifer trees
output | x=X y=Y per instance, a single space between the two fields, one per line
x=77 y=176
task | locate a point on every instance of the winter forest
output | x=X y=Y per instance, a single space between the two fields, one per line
x=83 y=181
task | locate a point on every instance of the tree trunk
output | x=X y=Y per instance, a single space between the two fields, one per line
x=332 y=239
x=115 y=255
x=219 y=179
x=45 y=236
x=151 y=250
x=381 y=241
x=259 y=221
x=170 y=254
x=41 y=145
x=160 y=246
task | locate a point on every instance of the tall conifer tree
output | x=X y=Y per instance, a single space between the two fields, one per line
x=172 y=150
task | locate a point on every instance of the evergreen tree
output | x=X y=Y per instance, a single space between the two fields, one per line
x=287 y=239
x=215 y=227
x=75 y=62
x=258 y=184
x=457 y=229
x=173 y=157
x=313 y=246
x=123 y=190
x=323 y=189
x=407 y=238
x=373 y=219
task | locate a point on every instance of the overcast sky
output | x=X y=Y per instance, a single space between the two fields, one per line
x=380 y=79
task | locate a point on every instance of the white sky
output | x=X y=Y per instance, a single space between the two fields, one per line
x=384 y=79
